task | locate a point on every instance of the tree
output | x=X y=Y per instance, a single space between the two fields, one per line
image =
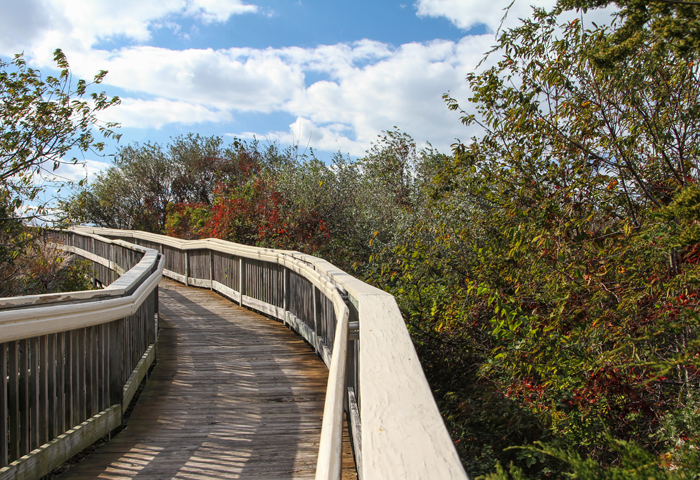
x=661 y=24
x=41 y=121
x=551 y=285
x=150 y=180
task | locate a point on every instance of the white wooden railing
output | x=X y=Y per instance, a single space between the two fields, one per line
x=70 y=363
x=358 y=331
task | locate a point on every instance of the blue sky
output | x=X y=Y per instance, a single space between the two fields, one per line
x=328 y=74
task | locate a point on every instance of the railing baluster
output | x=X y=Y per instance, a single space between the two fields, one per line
x=33 y=393
x=4 y=431
x=43 y=390
x=13 y=400
x=52 y=400
x=24 y=396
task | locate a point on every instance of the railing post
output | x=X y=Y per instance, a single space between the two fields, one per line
x=116 y=361
x=313 y=301
x=241 y=265
x=3 y=406
x=111 y=273
x=187 y=268
x=211 y=270
x=13 y=400
x=285 y=292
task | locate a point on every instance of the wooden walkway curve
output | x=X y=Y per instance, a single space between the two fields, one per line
x=234 y=395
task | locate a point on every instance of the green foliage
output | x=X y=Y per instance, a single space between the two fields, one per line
x=556 y=263
x=548 y=271
x=187 y=220
x=43 y=269
x=41 y=121
x=673 y=24
x=632 y=462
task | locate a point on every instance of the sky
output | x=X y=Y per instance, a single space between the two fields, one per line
x=321 y=74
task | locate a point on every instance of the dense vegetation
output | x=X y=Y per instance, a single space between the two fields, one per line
x=43 y=120
x=547 y=270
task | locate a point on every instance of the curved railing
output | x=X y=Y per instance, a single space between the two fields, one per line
x=70 y=363
x=358 y=330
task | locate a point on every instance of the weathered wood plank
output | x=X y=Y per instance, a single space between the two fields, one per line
x=3 y=406
x=233 y=395
x=48 y=456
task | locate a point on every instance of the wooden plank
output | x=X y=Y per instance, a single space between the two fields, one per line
x=3 y=406
x=82 y=366
x=13 y=400
x=43 y=415
x=102 y=372
x=89 y=373
x=23 y=397
x=356 y=428
x=233 y=394
x=51 y=386
x=34 y=427
x=96 y=372
x=116 y=361
x=44 y=459
x=139 y=373
x=391 y=376
x=75 y=392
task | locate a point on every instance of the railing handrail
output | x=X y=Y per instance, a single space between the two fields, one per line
x=402 y=432
x=119 y=288
x=35 y=315
x=70 y=363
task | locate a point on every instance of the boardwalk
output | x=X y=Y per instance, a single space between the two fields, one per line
x=234 y=395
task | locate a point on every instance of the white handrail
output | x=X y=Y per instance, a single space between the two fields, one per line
x=330 y=451
x=81 y=309
x=402 y=434
x=93 y=328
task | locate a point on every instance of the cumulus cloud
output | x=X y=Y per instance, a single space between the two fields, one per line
x=305 y=134
x=135 y=113
x=370 y=87
x=85 y=169
x=466 y=14
x=367 y=86
x=240 y=79
x=80 y=24
x=404 y=89
x=21 y=24
x=210 y=11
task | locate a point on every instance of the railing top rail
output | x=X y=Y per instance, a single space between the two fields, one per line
x=34 y=315
x=340 y=278
x=403 y=434
x=116 y=289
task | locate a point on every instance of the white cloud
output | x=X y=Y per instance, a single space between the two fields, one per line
x=466 y=14
x=469 y=13
x=210 y=11
x=133 y=113
x=239 y=79
x=80 y=24
x=369 y=86
x=84 y=169
x=304 y=133
x=404 y=89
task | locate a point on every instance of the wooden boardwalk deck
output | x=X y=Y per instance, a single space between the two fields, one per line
x=234 y=395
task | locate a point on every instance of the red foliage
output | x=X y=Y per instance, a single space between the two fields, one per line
x=259 y=214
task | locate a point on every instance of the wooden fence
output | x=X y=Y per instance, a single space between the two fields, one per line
x=358 y=331
x=70 y=363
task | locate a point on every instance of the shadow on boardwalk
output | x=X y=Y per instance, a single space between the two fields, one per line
x=234 y=395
